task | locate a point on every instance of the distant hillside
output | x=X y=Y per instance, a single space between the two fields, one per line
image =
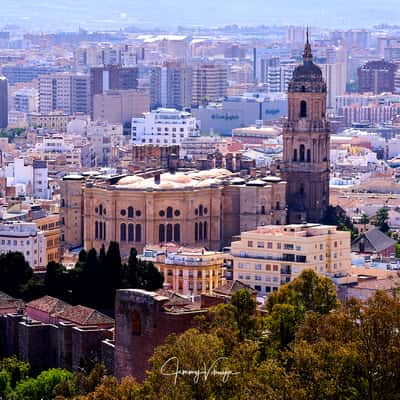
x=97 y=14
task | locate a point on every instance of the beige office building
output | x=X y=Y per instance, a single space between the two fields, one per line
x=271 y=256
x=120 y=106
x=209 y=83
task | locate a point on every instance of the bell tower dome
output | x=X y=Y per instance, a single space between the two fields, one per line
x=306 y=137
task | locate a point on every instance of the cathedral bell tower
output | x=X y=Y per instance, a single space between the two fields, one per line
x=306 y=135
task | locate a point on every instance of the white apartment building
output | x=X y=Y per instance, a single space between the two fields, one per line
x=69 y=93
x=25 y=238
x=29 y=179
x=335 y=76
x=25 y=100
x=271 y=256
x=103 y=137
x=53 y=144
x=164 y=126
x=276 y=73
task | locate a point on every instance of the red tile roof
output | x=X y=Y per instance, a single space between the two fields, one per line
x=49 y=305
x=7 y=302
x=84 y=316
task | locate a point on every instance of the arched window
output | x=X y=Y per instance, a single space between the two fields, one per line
x=104 y=231
x=101 y=209
x=302 y=188
x=205 y=227
x=96 y=230
x=303 y=109
x=169 y=212
x=295 y=155
x=100 y=230
x=131 y=212
x=138 y=232
x=169 y=233
x=123 y=232
x=161 y=233
x=130 y=233
x=263 y=210
x=200 y=231
x=196 y=231
x=136 y=324
x=278 y=205
x=303 y=89
x=302 y=151
x=177 y=233
x=308 y=155
x=200 y=210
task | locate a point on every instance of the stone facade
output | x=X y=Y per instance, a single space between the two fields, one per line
x=44 y=346
x=141 y=324
x=198 y=209
x=306 y=137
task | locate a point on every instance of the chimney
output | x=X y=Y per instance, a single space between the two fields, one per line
x=173 y=163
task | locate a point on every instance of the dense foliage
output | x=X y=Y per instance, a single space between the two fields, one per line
x=92 y=282
x=304 y=345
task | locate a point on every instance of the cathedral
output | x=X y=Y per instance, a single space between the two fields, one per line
x=306 y=136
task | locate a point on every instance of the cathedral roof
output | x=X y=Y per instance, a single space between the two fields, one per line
x=307 y=72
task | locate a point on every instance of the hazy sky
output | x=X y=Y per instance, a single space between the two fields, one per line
x=97 y=14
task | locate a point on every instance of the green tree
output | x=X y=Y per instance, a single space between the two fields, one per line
x=364 y=220
x=55 y=280
x=381 y=219
x=14 y=272
x=46 y=386
x=308 y=291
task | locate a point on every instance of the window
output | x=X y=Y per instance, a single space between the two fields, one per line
x=288 y=246
x=302 y=151
x=96 y=230
x=258 y=267
x=205 y=227
x=138 y=233
x=169 y=212
x=200 y=231
x=257 y=287
x=303 y=109
x=308 y=155
x=269 y=245
x=177 y=233
x=257 y=277
x=161 y=213
x=268 y=267
x=201 y=210
x=130 y=233
x=130 y=212
x=123 y=232
x=161 y=233
x=276 y=268
x=295 y=155
x=260 y=245
x=136 y=324
x=196 y=231
x=169 y=233
x=263 y=210
x=250 y=243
